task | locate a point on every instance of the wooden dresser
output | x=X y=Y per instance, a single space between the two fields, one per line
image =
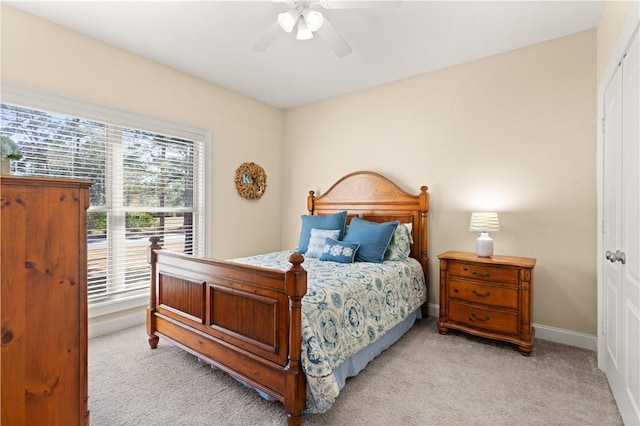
x=487 y=296
x=43 y=363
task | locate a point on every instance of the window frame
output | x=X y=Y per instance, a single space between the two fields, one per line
x=28 y=97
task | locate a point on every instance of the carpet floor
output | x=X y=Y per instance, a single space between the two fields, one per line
x=424 y=379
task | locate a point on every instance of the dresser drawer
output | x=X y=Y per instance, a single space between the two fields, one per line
x=484 y=273
x=493 y=320
x=506 y=297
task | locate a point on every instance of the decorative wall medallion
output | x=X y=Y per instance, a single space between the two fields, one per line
x=251 y=181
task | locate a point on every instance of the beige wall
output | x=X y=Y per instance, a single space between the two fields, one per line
x=46 y=56
x=514 y=133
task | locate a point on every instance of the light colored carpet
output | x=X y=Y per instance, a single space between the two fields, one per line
x=424 y=379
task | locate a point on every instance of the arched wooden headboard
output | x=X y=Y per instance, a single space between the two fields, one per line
x=371 y=196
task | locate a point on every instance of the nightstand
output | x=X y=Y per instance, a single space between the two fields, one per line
x=487 y=296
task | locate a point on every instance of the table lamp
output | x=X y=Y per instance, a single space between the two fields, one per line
x=484 y=222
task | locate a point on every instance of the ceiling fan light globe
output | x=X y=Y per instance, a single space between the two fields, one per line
x=313 y=19
x=287 y=20
x=303 y=30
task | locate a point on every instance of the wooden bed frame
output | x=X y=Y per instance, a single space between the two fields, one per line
x=246 y=320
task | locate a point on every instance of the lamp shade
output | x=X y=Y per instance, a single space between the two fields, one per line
x=303 y=30
x=313 y=19
x=287 y=20
x=484 y=222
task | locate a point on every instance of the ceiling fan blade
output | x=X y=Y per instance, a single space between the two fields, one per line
x=338 y=44
x=355 y=4
x=267 y=39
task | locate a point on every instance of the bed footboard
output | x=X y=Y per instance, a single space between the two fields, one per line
x=243 y=319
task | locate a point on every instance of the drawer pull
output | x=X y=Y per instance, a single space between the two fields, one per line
x=488 y=293
x=475 y=317
x=488 y=274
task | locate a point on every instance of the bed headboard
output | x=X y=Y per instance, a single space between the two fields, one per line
x=373 y=197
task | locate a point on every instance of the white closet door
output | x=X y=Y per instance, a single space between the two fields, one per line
x=621 y=239
x=630 y=279
x=612 y=186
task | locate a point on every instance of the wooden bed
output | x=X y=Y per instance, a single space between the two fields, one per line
x=246 y=320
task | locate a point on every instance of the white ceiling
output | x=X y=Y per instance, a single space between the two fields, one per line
x=213 y=40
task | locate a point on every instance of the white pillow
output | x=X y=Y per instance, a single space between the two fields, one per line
x=317 y=240
x=400 y=245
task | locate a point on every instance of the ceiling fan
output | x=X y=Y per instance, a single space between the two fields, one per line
x=306 y=21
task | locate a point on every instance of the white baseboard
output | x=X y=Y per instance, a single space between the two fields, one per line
x=434 y=310
x=99 y=326
x=553 y=334
x=567 y=337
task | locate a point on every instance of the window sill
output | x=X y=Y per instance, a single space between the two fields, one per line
x=118 y=305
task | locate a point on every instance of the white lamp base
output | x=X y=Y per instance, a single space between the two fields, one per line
x=484 y=245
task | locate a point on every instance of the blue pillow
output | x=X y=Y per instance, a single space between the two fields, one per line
x=374 y=238
x=339 y=251
x=333 y=221
x=317 y=240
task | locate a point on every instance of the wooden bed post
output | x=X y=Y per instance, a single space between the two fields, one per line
x=151 y=318
x=296 y=288
x=310 y=199
x=424 y=238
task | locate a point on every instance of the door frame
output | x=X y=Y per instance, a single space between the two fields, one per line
x=625 y=38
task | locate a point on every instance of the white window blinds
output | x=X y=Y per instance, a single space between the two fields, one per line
x=145 y=183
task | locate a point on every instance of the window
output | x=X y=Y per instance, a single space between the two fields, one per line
x=148 y=179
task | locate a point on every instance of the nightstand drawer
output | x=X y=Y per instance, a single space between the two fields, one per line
x=506 y=297
x=488 y=319
x=485 y=273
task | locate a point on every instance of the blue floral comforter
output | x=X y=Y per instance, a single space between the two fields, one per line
x=347 y=306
